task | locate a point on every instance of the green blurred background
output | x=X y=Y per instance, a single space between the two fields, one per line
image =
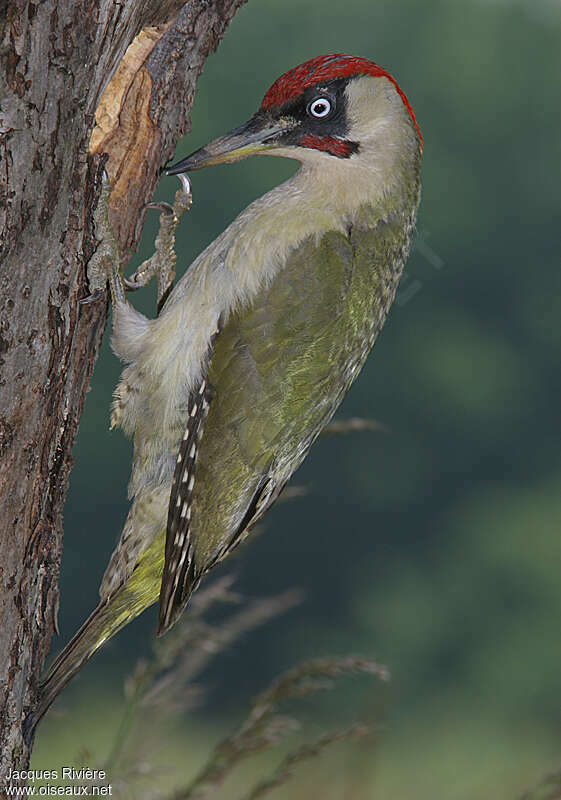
x=433 y=546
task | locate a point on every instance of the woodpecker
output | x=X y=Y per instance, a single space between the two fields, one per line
x=254 y=349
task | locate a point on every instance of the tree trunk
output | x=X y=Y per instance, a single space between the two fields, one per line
x=135 y=63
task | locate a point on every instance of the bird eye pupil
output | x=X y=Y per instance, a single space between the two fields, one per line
x=320 y=107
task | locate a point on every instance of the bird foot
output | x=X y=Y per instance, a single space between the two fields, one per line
x=162 y=262
x=105 y=263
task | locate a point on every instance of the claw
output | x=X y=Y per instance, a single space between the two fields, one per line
x=92 y=298
x=185 y=183
x=165 y=208
x=131 y=285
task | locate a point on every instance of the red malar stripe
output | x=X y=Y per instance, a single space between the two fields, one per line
x=336 y=147
x=324 y=68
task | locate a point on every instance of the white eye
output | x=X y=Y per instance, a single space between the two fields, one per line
x=320 y=107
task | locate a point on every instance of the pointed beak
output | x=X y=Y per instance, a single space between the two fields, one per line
x=255 y=136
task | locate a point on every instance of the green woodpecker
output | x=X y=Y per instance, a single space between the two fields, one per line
x=258 y=343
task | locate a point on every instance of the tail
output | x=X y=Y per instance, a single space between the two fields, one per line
x=139 y=592
x=95 y=630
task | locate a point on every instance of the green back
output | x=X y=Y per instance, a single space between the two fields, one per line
x=281 y=368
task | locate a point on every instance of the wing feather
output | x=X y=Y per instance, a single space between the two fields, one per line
x=179 y=580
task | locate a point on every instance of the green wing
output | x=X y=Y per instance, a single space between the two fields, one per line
x=279 y=370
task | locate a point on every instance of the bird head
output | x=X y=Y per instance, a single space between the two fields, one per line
x=331 y=107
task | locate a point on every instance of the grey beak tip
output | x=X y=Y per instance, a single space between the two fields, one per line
x=177 y=169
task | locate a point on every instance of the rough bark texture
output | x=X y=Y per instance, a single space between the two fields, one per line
x=57 y=59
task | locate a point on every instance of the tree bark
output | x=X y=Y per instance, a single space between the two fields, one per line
x=135 y=63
